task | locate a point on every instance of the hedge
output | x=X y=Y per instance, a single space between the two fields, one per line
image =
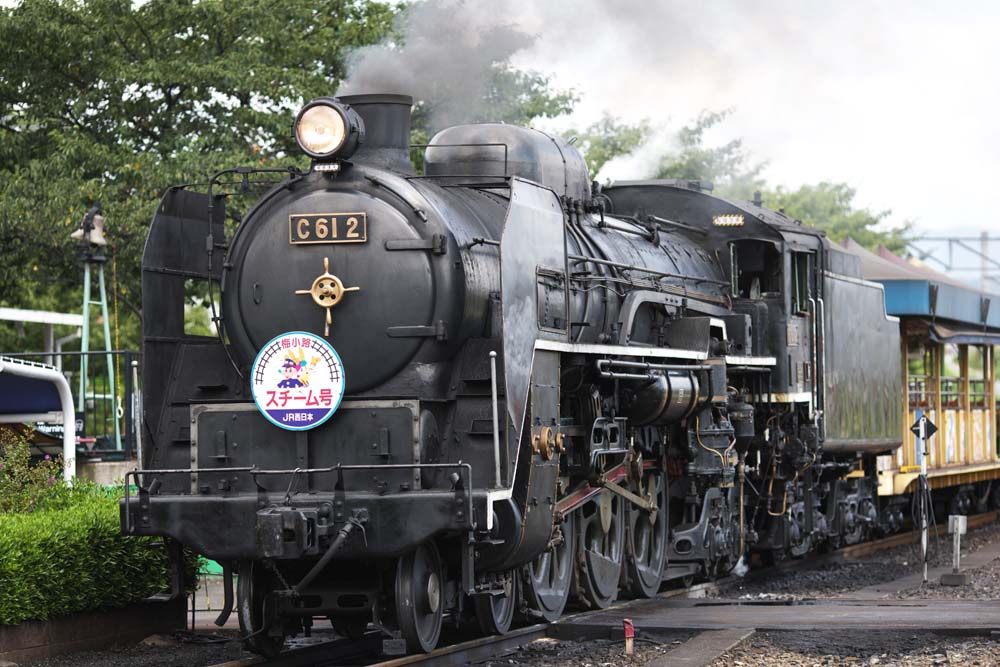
x=71 y=557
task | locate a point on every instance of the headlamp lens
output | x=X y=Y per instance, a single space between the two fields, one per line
x=320 y=130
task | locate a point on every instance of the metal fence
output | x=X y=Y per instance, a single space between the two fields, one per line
x=108 y=403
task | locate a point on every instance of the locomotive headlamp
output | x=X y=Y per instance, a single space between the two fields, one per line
x=326 y=129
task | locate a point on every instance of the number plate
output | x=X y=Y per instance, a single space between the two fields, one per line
x=327 y=228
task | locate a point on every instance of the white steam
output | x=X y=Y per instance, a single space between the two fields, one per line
x=444 y=59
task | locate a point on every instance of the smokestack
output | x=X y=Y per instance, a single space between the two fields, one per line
x=387 y=129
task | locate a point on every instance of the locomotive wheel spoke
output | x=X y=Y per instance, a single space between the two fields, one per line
x=496 y=612
x=647 y=541
x=420 y=597
x=548 y=579
x=600 y=553
x=254 y=605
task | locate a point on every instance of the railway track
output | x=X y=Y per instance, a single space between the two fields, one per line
x=339 y=652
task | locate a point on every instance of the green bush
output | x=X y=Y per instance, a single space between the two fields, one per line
x=71 y=559
x=61 y=547
x=25 y=487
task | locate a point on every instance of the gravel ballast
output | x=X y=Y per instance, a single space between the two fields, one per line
x=985 y=585
x=838 y=577
x=885 y=649
x=597 y=653
x=157 y=651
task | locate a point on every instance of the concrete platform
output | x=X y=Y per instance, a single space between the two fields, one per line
x=958 y=617
x=105 y=473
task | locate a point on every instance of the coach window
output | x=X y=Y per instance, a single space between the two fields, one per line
x=920 y=377
x=978 y=376
x=755 y=269
x=952 y=382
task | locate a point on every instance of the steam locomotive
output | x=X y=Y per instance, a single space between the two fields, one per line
x=483 y=390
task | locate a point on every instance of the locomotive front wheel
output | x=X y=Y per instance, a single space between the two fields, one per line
x=259 y=624
x=496 y=612
x=601 y=549
x=420 y=597
x=646 y=539
x=548 y=578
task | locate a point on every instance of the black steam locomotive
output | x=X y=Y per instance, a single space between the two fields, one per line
x=488 y=388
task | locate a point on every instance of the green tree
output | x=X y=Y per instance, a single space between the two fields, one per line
x=609 y=138
x=520 y=96
x=730 y=168
x=114 y=101
x=830 y=207
x=512 y=96
x=727 y=167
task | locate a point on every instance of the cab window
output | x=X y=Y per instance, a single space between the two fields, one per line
x=755 y=269
x=802 y=288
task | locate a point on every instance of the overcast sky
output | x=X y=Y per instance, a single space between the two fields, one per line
x=899 y=99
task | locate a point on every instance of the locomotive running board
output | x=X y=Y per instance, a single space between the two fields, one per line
x=622 y=350
x=644 y=351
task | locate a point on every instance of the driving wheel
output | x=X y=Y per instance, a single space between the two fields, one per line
x=646 y=539
x=420 y=597
x=548 y=578
x=601 y=549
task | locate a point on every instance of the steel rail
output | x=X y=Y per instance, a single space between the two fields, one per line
x=320 y=653
x=464 y=653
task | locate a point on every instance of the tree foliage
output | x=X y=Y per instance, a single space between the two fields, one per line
x=25 y=487
x=830 y=207
x=609 y=138
x=731 y=169
x=113 y=101
x=518 y=96
x=512 y=96
x=727 y=167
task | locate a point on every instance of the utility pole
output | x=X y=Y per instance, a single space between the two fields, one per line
x=984 y=253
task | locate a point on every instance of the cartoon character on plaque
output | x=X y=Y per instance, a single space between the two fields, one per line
x=295 y=370
x=297 y=380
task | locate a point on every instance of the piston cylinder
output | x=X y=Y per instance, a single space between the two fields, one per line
x=665 y=397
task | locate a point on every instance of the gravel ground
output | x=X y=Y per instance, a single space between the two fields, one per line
x=885 y=649
x=834 y=578
x=180 y=650
x=598 y=653
x=985 y=585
